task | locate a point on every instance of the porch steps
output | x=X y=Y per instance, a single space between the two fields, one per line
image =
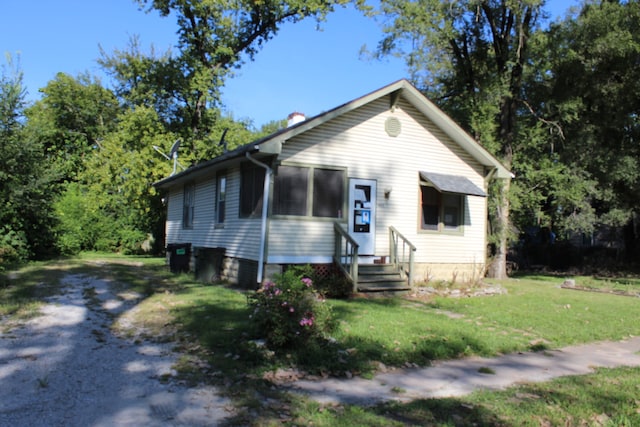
x=381 y=278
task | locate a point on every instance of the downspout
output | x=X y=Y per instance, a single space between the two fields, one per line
x=265 y=209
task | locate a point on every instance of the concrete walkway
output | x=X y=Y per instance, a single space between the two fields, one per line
x=461 y=377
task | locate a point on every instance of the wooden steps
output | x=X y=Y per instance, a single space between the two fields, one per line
x=383 y=278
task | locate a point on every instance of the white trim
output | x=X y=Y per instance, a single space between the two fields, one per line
x=293 y=259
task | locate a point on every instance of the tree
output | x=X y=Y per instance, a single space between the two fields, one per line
x=118 y=179
x=148 y=79
x=592 y=91
x=214 y=38
x=471 y=57
x=25 y=182
x=71 y=118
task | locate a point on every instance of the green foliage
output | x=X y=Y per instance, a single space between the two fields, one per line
x=13 y=246
x=82 y=225
x=70 y=120
x=288 y=312
x=214 y=38
x=591 y=91
x=26 y=187
x=118 y=181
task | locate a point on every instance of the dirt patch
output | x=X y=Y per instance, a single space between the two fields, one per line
x=427 y=293
x=571 y=284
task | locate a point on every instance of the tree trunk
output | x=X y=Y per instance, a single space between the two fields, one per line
x=497 y=268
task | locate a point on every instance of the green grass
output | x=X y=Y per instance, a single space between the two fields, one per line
x=21 y=292
x=211 y=326
x=540 y=310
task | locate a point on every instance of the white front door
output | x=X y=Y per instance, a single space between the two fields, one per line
x=362 y=214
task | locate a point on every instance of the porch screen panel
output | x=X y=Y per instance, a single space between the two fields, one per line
x=328 y=193
x=290 y=191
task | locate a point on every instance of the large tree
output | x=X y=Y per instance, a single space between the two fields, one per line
x=470 y=57
x=73 y=115
x=214 y=38
x=26 y=187
x=591 y=90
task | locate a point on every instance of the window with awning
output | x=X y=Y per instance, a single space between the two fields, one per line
x=456 y=184
x=442 y=200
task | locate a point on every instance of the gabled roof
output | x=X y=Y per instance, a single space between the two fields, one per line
x=402 y=88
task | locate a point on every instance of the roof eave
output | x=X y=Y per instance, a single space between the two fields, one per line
x=454 y=131
x=202 y=168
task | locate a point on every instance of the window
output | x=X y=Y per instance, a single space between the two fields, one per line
x=251 y=189
x=188 y=205
x=221 y=197
x=290 y=191
x=328 y=193
x=308 y=191
x=430 y=208
x=451 y=210
x=440 y=211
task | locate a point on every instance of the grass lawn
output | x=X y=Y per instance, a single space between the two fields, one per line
x=211 y=325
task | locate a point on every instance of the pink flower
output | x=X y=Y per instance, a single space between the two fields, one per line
x=306 y=321
x=307 y=282
x=291 y=310
x=268 y=285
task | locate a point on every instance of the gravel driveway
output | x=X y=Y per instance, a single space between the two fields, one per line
x=66 y=368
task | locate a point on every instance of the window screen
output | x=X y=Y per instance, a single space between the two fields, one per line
x=251 y=189
x=328 y=193
x=290 y=192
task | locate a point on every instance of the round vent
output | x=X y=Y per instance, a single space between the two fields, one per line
x=392 y=126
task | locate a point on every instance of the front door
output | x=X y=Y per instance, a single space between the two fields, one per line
x=362 y=214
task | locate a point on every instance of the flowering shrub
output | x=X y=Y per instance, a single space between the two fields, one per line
x=289 y=311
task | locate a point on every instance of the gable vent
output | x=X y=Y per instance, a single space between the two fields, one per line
x=392 y=126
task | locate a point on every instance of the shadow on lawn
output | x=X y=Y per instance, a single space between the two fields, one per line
x=436 y=412
x=422 y=350
x=219 y=319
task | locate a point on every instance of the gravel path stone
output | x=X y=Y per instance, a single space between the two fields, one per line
x=66 y=368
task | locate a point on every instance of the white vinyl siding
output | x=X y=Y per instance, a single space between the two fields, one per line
x=240 y=237
x=297 y=239
x=358 y=142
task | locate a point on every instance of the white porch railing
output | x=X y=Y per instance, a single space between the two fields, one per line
x=346 y=254
x=401 y=253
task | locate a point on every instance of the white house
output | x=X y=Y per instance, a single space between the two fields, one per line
x=387 y=178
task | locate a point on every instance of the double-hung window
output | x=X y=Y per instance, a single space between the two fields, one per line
x=221 y=197
x=441 y=211
x=188 y=206
x=309 y=191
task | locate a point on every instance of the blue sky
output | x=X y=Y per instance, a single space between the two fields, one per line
x=301 y=69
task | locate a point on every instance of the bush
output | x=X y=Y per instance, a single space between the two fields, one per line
x=13 y=247
x=289 y=311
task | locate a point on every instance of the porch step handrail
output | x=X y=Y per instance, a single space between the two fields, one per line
x=346 y=254
x=401 y=253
